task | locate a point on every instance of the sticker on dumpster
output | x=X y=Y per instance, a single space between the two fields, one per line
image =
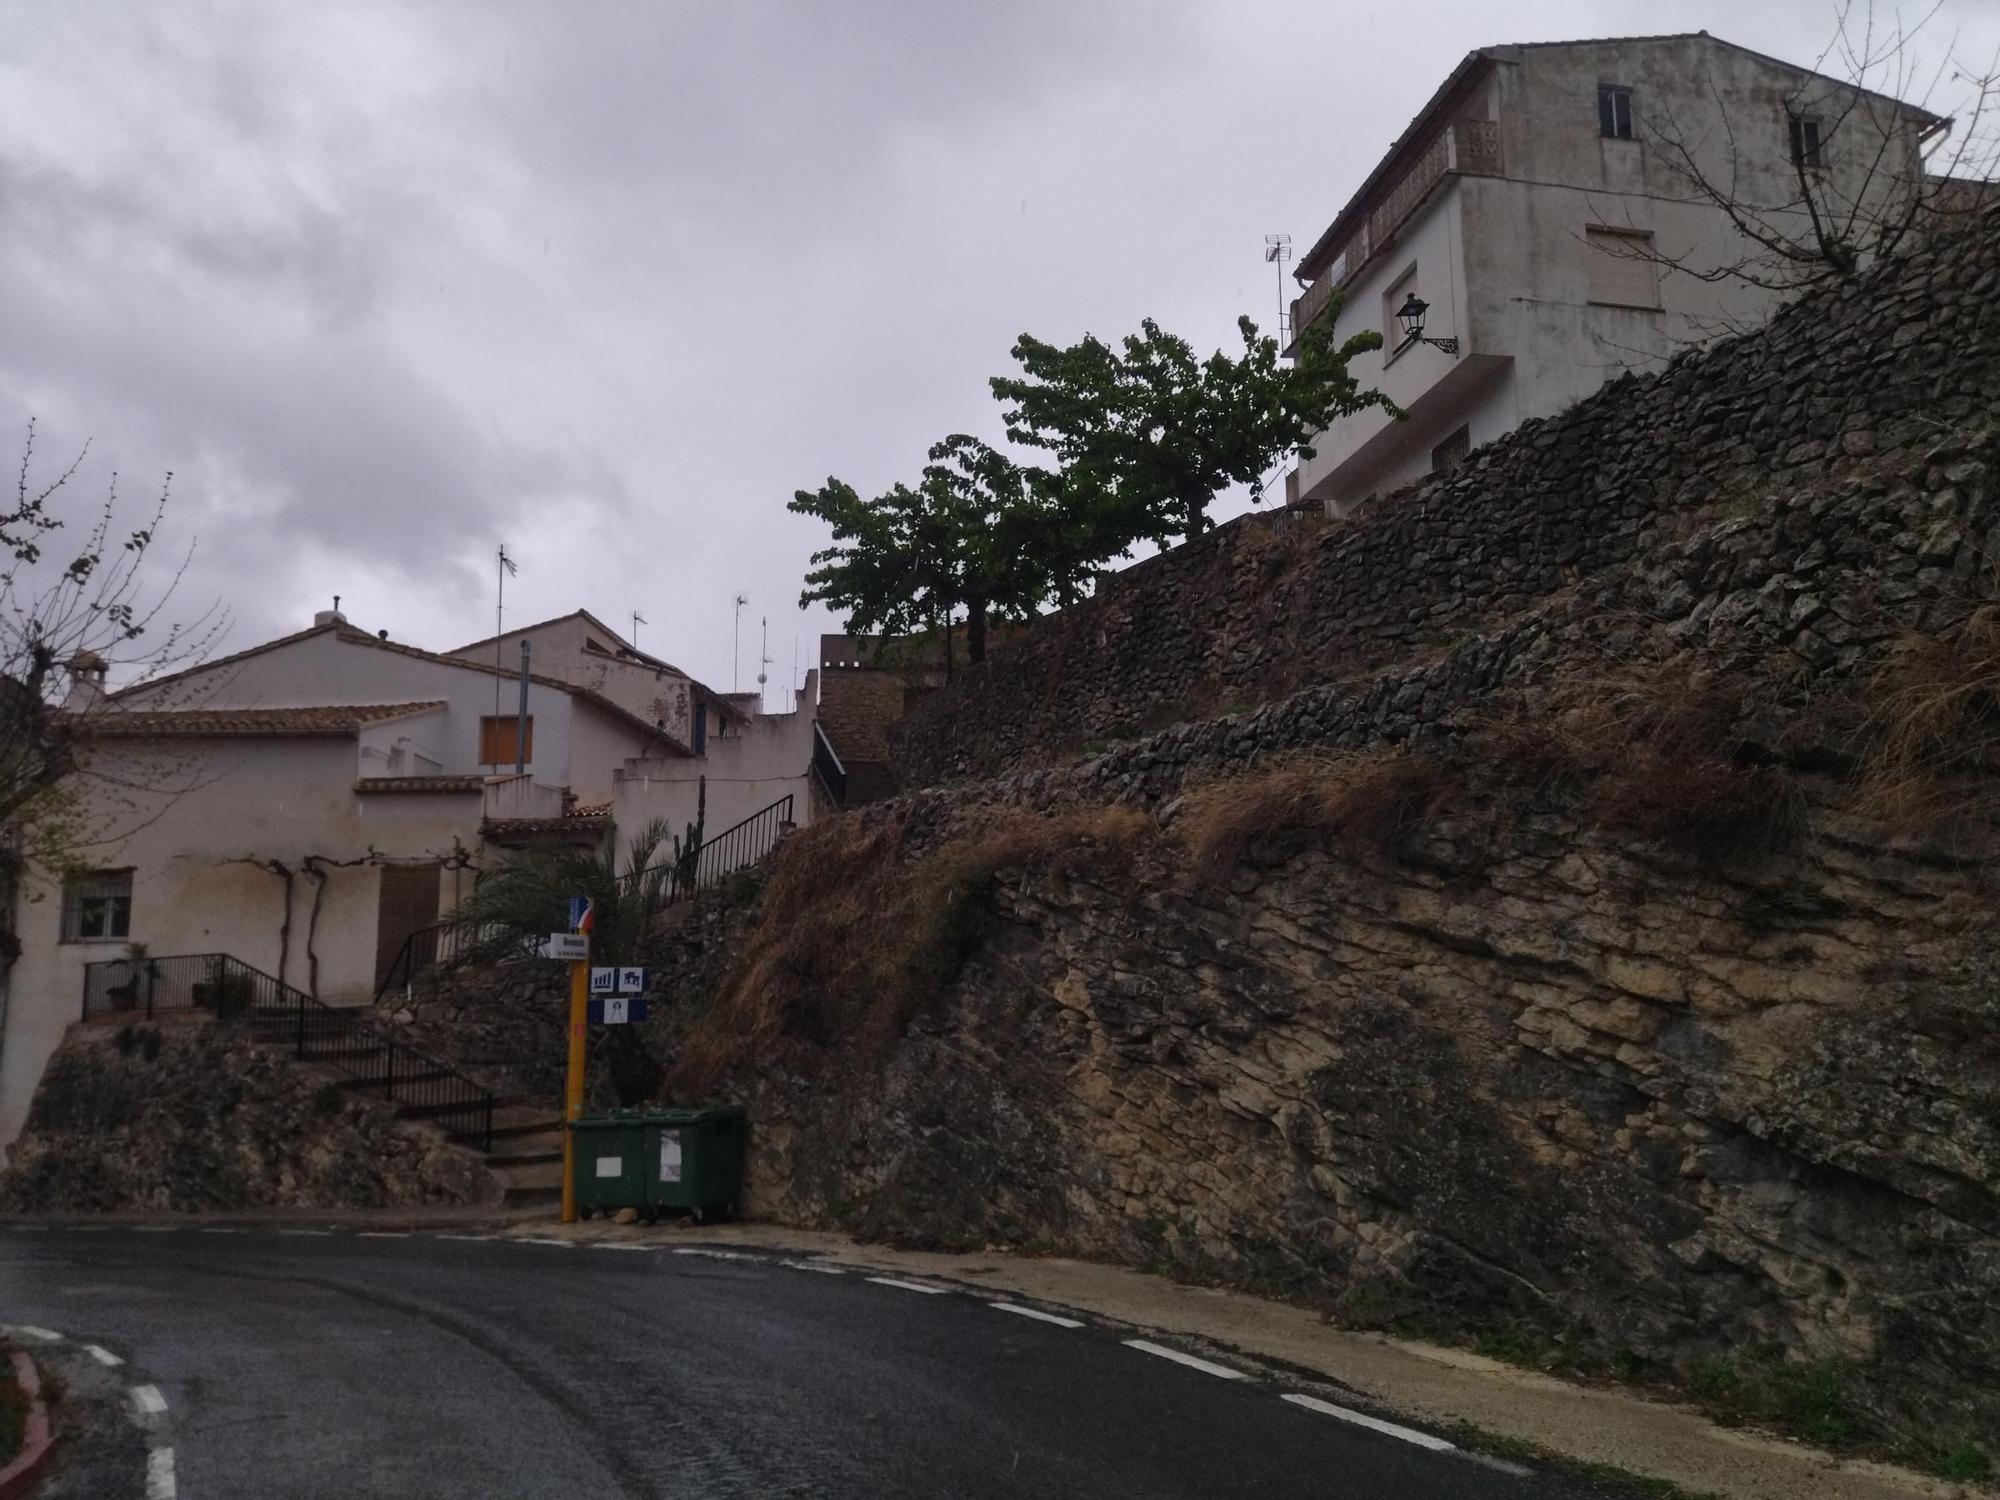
x=670 y=1156
x=608 y=1166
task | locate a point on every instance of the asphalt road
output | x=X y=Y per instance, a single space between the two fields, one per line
x=347 y=1365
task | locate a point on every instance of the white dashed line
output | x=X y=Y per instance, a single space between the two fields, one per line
x=909 y=1286
x=1037 y=1315
x=474 y=1239
x=1206 y=1367
x=813 y=1265
x=714 y=1254
x=160 y=1474
x=1373 y=1424
x=560 y=1244
x=616 y=1245
x=316 y=1233
x=103 y=1356
x=383 y=1234
x=222 y=1231
x=149 y=1400
x=29 y=1331
x=158 y=1228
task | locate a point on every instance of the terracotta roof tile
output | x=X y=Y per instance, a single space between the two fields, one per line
x=370 y=785
x=323 y=720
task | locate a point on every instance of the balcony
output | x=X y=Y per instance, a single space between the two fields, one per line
x=1465 y=147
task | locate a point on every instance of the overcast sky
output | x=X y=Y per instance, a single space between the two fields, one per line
x=386 y=286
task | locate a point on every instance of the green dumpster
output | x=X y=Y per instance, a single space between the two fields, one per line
x=612 y=1153
x=695 y=1160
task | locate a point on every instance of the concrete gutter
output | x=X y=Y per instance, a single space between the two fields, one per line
x=38 y=1443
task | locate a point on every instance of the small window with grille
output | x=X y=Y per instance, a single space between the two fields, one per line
x=97 y=907
x=1450 y=453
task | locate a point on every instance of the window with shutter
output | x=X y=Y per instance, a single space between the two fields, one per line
x=1622 y=272
x=497 y=745
x=1450 y=453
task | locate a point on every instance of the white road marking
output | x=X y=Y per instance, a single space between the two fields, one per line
x=383 y=1234
x=1038 y=1316
x=160 y=1474
x=149 y=1400
x=469 y=1238
x=909 y=1286
x=222 y=1231
x=103 y=1356
x=714 y=1254
x=29 y=1331
x=1373 y=1424
x=158 y=1228
x=318 y=1233
x=619 y=1245
x=530 y=1240
x=1205 y=1366
x=813 y=1265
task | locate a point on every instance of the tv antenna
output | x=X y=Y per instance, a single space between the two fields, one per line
x=736 y=646
x=637 y=620
x=763 y=660
x=1278 y=250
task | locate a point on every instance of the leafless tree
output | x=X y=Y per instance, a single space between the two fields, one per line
x=1888 y=139
x=71 y=620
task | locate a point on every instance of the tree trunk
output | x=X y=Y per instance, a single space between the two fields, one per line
x=975 y=630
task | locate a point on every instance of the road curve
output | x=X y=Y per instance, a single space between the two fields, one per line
x=438 y=1367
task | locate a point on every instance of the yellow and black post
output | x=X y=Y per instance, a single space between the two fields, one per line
x=579 y=1020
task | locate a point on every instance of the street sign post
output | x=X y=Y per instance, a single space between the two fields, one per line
x=574 y=946
x=571 y=947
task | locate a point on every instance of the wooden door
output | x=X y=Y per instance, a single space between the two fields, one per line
x=409 y=903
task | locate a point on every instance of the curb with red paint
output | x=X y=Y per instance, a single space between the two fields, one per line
x=38 y=1443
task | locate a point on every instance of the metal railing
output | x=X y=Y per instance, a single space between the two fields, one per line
x=826 y=765
x=428 y=953
x=278 y=1015
x=1465 y=147
x=735 y=848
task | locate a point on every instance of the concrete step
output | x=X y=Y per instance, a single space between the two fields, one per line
x=510 y=1120
x=526 y=1150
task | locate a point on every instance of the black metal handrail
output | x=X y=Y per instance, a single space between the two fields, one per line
x=737 y=847
x=826 y=765
x=280 y=1015
x=429 y=951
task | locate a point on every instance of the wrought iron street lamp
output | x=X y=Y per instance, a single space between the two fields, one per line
x=1411 y=316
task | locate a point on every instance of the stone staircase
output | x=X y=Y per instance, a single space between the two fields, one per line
x=526 y=1154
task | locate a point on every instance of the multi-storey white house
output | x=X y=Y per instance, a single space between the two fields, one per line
x=1554 y=212
x=308 y=806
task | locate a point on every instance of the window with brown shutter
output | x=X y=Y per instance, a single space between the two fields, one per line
x=1622 y=273
x=497 y=745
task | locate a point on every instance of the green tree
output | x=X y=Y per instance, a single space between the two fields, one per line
x=978 y=534
x=1145 y=436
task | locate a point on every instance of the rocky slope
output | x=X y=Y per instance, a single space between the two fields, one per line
x=191 y=1117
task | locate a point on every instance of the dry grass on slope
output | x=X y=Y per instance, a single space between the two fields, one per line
x=855 y=934
x=1931 y=746
x=1365 y=800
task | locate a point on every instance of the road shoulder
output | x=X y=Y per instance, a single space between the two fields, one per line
x=1423 y=1383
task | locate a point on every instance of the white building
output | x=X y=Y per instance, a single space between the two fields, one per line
x=1546 y=206
x=307 y=805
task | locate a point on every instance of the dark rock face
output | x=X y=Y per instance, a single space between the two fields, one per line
x=1561 y=1084
x=1840 y=385
x=188 y=1118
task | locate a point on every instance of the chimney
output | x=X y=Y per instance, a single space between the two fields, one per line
x=330 y=616
x=86 y=682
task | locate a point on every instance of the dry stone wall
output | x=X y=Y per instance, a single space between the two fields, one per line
x=189 y=1117
x=1852 y=382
